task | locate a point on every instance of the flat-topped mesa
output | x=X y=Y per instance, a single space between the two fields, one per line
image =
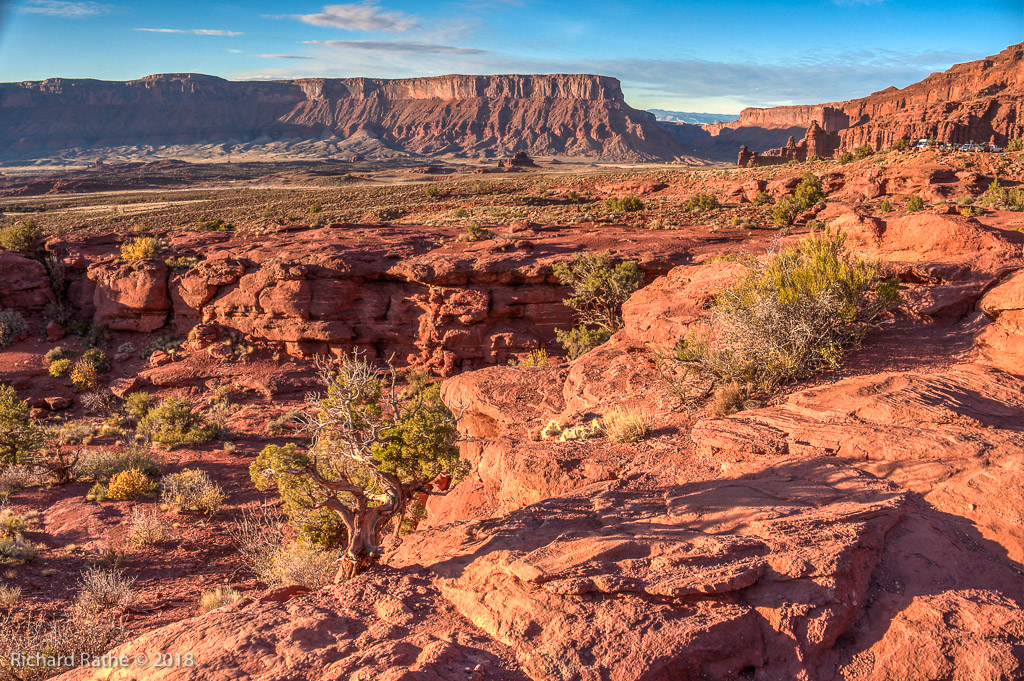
x=979 y=101
x=558 y=86
x=576 y=115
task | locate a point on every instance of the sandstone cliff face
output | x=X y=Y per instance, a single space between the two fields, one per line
x=543 y=115
x=388 y=290
x=978 y=101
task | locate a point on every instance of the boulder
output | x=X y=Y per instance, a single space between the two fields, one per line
x=131 y=296
x=24 y=284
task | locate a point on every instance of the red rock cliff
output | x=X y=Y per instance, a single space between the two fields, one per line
x=978 y=101
x=543 y=115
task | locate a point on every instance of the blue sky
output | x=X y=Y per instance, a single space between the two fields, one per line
x=685 y=56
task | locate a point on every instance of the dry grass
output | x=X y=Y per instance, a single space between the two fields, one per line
x=192 y=490
x=304 y=563
x=103 y=590
x=728 y=399
x=626 y=424
x=146 y=527
x=218 y=598
x=9 y=596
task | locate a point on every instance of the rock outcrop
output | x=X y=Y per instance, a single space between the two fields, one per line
x=24 y=283
x=542 y=115
x=387 y=290
x=978 y=101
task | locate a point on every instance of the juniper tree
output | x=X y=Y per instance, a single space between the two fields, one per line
x=373 y=450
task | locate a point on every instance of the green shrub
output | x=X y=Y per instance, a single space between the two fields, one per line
x=129 y=484
x=59 y=367
x=12 y=523
x=97 y=493
x=166 y=343
x=844 y=158
x=19 y=434
x=863 y=151
x=181 y=262
x=784 y=212
x=474 y=232
x=627 y=204
x=535 y=358
x=580 y=340
x=300 y=494
x=141 y=247
x=763 y=198
x=415 y=442
x=793 y=314
x=598 y=291
x=58 y=352
x=885 y=206
x=702 y=203
x=1015 y=145
x=17 y=549
x=191 y=490
x=23 y=237
x=97 y=357
x=12 y=326
x=217 y=225
x=137 y=405
x=599 y=288
x=101 y=465
x=808 y=192
x=460 y=212
x=999 y=196
x=431 y=191
x=172 y=423
x=900 y=144
x=914 y=204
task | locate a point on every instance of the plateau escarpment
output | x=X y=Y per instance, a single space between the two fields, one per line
x=543 y=115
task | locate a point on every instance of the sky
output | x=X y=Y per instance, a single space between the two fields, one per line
x=701 y=56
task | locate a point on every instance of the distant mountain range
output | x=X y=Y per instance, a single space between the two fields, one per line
x=691 y=117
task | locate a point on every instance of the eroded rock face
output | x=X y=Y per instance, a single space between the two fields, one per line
x=672 y=583
x=955 y=435
x=947 y=261
x=24 y=284
x=131 y=296
x=385 y=290
x=1002 y=341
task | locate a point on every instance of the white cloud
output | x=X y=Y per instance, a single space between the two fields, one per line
x=282 y=56
x=193 y=31
x=67 y=10
x=360 y=16
x=396 y=46
x=680 y=85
